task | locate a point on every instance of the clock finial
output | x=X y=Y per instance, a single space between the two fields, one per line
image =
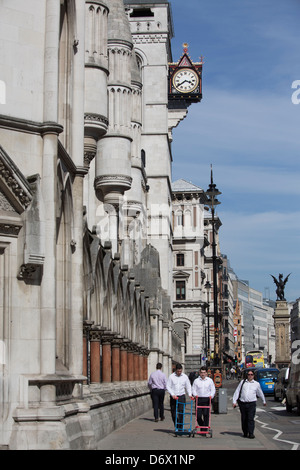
x=185 y=46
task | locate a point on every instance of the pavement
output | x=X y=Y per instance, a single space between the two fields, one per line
x=144 y=434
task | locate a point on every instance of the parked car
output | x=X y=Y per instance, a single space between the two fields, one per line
x=266 y=377
x=293 y=388
x=281 y=384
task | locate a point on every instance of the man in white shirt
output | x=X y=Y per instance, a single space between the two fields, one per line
x=204 y=389
x=178 y=384
x=246 y=395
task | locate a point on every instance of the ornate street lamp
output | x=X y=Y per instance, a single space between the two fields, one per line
x=212 y=202
x=207 y=286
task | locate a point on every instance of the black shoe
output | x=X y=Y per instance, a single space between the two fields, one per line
x=156 y=420
x=162 y=418
x=251 y=436
x=245 y=435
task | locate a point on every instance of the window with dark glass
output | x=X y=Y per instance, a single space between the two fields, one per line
x=180 y=290
x=180 y=259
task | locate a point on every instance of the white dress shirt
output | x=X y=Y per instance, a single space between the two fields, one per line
x=177 y=385
x=250 y=391
x=203 y=387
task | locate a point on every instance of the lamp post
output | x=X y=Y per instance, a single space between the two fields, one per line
x=212 y=202
x=207 y=286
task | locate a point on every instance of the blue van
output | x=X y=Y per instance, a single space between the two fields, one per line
x=266 y=377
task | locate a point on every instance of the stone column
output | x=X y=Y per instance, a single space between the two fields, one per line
x=145 y=366
x=84 y=357
x=130 y=365
x=87 y=324
x=48 y=185
x=123 y=362
x=76 y=147
x=106 y=359
x=115 y=360
x=154 y=335
x=95 y=356
x=141 y=366
x=282 y=334
x=136 y=367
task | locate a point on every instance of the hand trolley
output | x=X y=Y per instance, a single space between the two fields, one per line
x=203 y=429
x=184 y=418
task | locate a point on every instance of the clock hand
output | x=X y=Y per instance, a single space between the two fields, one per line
x=188 y=81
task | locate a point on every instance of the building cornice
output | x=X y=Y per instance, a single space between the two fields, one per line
x=30 y=127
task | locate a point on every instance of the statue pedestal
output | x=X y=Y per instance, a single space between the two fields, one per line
x=282 y=334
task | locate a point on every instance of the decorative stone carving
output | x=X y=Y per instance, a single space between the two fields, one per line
x=95 y=125
x=13 y=183
x=282 y=324
x=112 y=184
x=34 y=250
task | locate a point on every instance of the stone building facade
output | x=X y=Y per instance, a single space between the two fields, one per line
x=85 y=208
x=254 y=315
x=188 y=269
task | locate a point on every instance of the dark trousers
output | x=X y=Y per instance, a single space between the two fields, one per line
x=181 y=400
x=203 y=413
x=247 y=410
x=158 y=396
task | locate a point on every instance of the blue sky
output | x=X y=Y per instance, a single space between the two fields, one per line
x=248 y=128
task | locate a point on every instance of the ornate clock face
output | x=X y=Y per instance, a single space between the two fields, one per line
x=185 y=80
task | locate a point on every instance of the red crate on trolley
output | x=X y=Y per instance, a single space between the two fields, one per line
x=203 y=429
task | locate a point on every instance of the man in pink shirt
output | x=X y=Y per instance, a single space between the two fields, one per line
x=158 y=383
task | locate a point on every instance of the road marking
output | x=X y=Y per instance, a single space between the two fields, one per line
x=294 y=445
